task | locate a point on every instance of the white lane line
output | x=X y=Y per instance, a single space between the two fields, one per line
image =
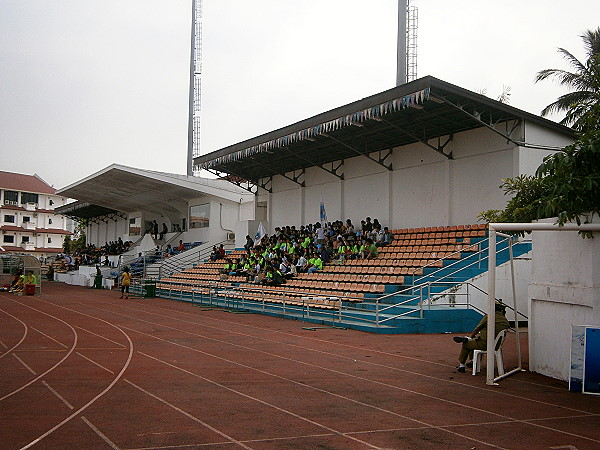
x=104 y=391
x=57 y=394
x=22 y=337
x=361 y=349
x=339 y=433
x=94 y=362
x=3 y=344
x=302 y=384
x=332 y=370
x=99 y=433
x=55 y=365
x=49 y=337
x=161 y=447
x=23 y=362
x=97 y=335
x=195 y=419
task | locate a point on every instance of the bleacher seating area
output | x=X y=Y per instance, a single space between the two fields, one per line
x=412 y=252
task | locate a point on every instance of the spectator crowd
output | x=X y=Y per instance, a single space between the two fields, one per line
x=289 y=251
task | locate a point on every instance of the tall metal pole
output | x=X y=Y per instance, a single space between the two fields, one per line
x=491 y=322
x=190 y=148
x=401 y=59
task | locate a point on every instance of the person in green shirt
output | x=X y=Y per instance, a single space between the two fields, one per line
x=477 y=340
x=273 y=277
x=306 y=242
x=226 y=266
x=370 y=250
x=316 y=263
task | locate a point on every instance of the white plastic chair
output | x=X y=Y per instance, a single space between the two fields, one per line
x=498 y=353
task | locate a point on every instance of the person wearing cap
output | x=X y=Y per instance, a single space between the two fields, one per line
x=477 y=340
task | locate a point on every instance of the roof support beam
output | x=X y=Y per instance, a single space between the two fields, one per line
x=380 y=161
x=477 y=117
x=248 y=186
x=293 y=179
x=439 y=149
x=335 y=168
x=267 y=185
x=332 y=171
x=296 y=175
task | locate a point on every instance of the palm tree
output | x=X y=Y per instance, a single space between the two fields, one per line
x=583 y=102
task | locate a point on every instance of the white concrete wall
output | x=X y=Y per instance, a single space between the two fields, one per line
x=424 y=188
x=536 y=134
x=565 y=291
x=523 y=267
x=529 y=159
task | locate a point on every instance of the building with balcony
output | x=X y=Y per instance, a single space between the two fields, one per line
x=28 y=223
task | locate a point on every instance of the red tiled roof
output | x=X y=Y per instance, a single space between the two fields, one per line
x=20 y=208
x=12 y=228
x=10 y=248
x=37 y=230
x=28 y=183
x=49 y=250
x=52 y=231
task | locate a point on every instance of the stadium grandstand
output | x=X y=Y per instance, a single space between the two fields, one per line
x=424 y=158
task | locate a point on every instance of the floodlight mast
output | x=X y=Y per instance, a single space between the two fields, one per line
x=406 y=50
x=401 y=75
x=195 y=86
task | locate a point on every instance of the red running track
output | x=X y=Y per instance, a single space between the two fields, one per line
x=83 y=369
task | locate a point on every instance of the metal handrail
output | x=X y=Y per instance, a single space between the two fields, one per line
x=344 y=310
x=439 y=281
x=188 y=260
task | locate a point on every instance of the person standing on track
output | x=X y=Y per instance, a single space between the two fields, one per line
x=125 y=282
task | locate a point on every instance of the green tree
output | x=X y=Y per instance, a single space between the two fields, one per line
x=583 y=81
x=67 y=244
x=566 y=185
x=571 y=179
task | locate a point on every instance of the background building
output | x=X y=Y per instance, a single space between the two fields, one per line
x=27 y=218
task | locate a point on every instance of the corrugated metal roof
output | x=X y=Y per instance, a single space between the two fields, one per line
x=423 y=110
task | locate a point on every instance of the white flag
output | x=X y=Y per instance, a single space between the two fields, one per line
x=259 y=234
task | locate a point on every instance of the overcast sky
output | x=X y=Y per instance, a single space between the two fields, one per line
x=88 y=83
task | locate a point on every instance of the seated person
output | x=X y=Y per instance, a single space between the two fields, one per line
x=273 y=277
x=235 y=267
x=16 y=280
x=19 y=285
x=388 y=236
x=214 y=255
x=30 y=278
x=315 y=263
x=370 y=250
x=227 y=266
x=301 y=264
x=477 y=340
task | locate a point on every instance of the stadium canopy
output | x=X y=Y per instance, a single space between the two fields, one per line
x=120 y=189
x=427 y=110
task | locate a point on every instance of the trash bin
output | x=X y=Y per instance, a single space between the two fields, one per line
x=150 y=289
x=98 y=282
x=30 y=289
